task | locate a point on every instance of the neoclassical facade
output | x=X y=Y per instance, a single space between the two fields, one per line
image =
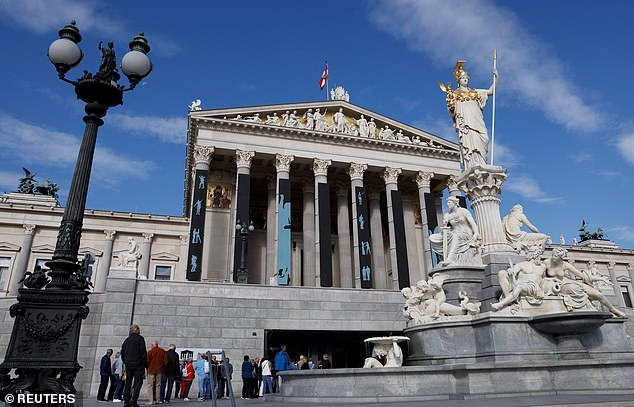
x=342 y=201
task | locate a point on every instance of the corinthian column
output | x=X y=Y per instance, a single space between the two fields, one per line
x=308 y=216
x=241 y=207
x=452 y=186
x=356 y=171
x=270 y=230
x=378 y=251
x=283 y=265
x=146 y=252
x=106 y=260
x=323 y=253
x=390 y=176
x=615 y=284
x=198 y=245
x=22 y=260
x=423 y=181
x=343 y=238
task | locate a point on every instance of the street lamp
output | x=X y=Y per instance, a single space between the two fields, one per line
x=243 y=273
x=45 y=338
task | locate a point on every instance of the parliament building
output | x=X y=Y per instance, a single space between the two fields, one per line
x=341 y=200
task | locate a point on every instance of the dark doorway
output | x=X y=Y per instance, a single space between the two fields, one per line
x=345 y=349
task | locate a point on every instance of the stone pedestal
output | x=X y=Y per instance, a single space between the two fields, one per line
x=126 y=273
x=461 y=278
x=495 y=262
x=483 y=186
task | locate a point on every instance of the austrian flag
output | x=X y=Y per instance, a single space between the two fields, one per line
x=324 y=78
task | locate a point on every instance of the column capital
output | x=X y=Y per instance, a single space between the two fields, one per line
x=320 y=167
x=110 y=234
x=147 y=237
x=283 y=162
x=611 y=264
x=202 y=154
x=390 y=175
x=452 y=185
x=29 y=229
x=243 y=158
x=423 y=179
x=355 y=171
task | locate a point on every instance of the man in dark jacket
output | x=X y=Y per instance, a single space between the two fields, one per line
x=170 y=372
x=134 y=356
x=105 y=371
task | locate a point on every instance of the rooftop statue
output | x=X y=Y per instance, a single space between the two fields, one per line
x=29 y=185
x=465 y=105
x=585 y=235
x=195 y=106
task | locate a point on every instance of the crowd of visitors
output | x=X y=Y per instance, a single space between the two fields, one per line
x=122 y=378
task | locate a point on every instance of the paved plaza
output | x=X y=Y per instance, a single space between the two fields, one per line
x=572 y=400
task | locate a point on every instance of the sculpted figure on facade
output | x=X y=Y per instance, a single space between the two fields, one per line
x=255 y=118
x=291 y=119
x=517 y=238
x=459 y=242
x=387 y=134
x=599 y=281
x=320 y=121
x=195 y=106
x=339 y=121
x=339 y=93
x=273 y=120
x=402 y=137
x=576 y=292
x=465 y=106
x=371 y=128
x=362 y=123
x=129 y=259
x=308 y=119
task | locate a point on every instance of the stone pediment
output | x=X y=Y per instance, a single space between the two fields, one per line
x=84 y=250
x=623 y=279
x=43 y=248
x=10 y=247
x=164 y=256
x=354 y=123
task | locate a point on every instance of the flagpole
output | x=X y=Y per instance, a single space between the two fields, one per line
x=495 y=60
x=327 y=75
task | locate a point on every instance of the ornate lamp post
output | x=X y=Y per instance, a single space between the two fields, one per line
x=45 y=338
x=243 y=273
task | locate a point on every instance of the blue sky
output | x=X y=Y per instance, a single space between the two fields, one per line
x=563 y=109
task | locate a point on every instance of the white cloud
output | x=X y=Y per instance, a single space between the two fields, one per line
x=167 y=129
x=625 y=144
x=504 y=156
x=9 y=180
x=529 y=188
x=29 y=144
x=42 y=16
x=621 y=233
x=527 y=68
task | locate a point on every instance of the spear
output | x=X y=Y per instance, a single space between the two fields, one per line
x=495 y=60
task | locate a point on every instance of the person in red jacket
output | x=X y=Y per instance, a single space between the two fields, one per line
x=156 y=360
x=188 y=378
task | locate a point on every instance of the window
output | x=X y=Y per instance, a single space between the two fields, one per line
x=163 y=273
x=5 y=264
x=626 y=296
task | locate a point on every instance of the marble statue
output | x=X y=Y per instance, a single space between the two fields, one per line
x=459 y=242
x=195 y=106
x=576 y=293
x=291 y=120
x=255 y=118
x=320 y=121
x=363 y=126
x=523 y=280
x=465 y=106
x=427 y=300
x=385 y=348
x=562 y=239
x=402 y=137
x=274 y=120
x=129 y=259
x=339 y=93
x=598 y=280
x=339 y=121
x=308 y=119
x=371 y=128
x=517 y=238
x=387 y=134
